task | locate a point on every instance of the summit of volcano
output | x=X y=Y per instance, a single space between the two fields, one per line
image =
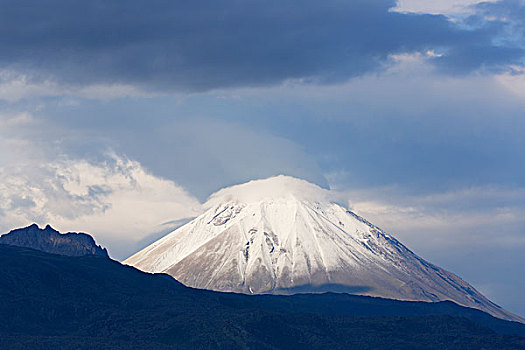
x=284 y=235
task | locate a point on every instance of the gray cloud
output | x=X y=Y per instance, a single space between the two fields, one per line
x=502 y=22
x=202 y=45
x=205 y=155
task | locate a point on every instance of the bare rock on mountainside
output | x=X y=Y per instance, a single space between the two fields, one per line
x=50 y=240
x=284 y=235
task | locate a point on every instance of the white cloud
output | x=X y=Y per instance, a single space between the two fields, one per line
x=116 y=200
x=446 y=7
x=16 y=119
x=270 y=188
x=15 y=86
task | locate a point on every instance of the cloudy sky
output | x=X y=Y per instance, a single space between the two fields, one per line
x=120 y=119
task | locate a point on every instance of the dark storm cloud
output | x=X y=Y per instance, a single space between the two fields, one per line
x=200 y=45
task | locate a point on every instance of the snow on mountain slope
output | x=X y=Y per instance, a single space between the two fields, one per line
x=284 y=235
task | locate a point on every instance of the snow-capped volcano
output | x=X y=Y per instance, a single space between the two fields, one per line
x=284 y=235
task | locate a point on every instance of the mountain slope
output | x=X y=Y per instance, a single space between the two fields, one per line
x=283 y=235
x=50 y=240
x=50 y=301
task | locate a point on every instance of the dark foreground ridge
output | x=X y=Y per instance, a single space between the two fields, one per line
x=50 y=240
x=50 y=301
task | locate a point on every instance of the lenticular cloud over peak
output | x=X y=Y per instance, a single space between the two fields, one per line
x=281 y=186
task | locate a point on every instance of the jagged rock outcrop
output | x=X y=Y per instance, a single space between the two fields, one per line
x=50 y=240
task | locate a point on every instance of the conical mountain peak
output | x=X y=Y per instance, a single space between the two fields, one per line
x=284 y=235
